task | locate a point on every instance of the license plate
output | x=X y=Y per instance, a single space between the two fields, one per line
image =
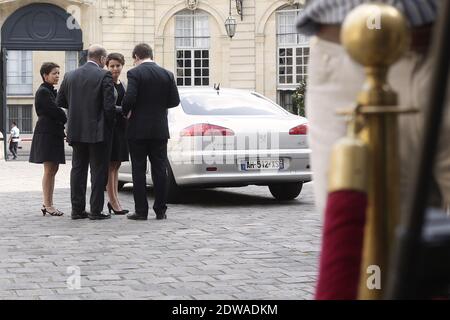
x=262 y=165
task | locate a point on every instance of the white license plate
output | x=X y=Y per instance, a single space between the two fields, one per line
x=262 y=165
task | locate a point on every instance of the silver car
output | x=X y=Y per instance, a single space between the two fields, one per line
x=233 y=138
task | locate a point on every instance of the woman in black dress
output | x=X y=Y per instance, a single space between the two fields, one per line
x=47 y=146
x=119 y=150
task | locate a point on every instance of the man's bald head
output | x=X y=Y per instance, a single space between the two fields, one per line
x=98 y=54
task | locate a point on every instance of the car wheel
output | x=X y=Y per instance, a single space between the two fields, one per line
x=120 y=185
x=174 y=191
x=286 y=191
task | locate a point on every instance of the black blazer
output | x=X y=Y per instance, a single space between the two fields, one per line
x=88 y=94
x=151 y=90
x=51 y=119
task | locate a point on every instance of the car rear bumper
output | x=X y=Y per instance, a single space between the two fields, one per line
x=229 y=172
x=230 y=180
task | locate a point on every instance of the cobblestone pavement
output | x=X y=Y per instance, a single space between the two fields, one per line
x=236 y=243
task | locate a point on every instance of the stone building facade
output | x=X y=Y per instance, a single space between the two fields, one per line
x=188 y=37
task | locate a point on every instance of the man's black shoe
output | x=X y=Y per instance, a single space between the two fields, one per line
x=135 y=216
x=161 y=216
x=99 y=216
x=79 y=215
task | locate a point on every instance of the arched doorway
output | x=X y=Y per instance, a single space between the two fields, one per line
x=39 y=27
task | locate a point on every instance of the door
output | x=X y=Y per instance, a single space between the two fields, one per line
x=82 y=57
x=3 y=103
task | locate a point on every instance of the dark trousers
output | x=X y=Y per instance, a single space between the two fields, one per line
x=156 y=151
x=13 y=148
x=95 y=156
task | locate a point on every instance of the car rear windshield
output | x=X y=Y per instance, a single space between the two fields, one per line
x=228 y=104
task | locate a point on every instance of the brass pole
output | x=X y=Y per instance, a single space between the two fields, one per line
x=376 y=35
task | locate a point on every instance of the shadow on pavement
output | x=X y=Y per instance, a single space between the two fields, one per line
x=225 y=197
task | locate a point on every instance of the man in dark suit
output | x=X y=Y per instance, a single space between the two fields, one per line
x=151 y=91
x=88 y=94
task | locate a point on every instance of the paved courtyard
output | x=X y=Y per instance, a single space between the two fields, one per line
x=236 y=243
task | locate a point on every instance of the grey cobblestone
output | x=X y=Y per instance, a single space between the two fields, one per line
x=102 y=296
x=117 y=288
x=75 y=292
x=213 y=296
x=104 y=277
x=174 y=297
x=235 y=243
x=19 y=286
x=34 y=293
x=53 y=285
x=294 y=280
x=59 y=297
x=159 y=280
x=204 y=278
x=224 y=289
x=236 y=276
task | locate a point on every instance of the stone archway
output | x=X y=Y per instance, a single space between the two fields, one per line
x=39 y=27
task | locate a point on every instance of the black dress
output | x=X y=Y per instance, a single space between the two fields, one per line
x=48 y=137
x=119 y=149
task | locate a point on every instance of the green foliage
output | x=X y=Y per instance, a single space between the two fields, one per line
x=298 y=99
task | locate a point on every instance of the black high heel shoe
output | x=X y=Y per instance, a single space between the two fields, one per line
x=56 y=213
x=110 y=208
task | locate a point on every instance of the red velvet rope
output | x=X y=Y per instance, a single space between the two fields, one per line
x=342 y=243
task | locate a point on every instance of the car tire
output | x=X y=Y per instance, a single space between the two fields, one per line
x=174 y=191
x=120 y=185
x=286 y=191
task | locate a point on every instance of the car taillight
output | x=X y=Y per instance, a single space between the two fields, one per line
x=206 y=129
x=299 y=130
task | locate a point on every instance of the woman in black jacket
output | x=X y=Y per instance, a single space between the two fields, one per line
x=48 y=139
x=119 y=144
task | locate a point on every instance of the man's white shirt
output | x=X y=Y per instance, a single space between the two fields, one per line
x=15 y=132
x=147 y=60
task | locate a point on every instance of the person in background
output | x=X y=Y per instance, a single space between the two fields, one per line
x=14 y=139
x=88 y=95
x=119 y=144
x=151 y=91
x=334 y=81
x=47 y=146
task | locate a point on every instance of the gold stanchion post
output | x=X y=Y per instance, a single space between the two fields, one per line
x=376 y=36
